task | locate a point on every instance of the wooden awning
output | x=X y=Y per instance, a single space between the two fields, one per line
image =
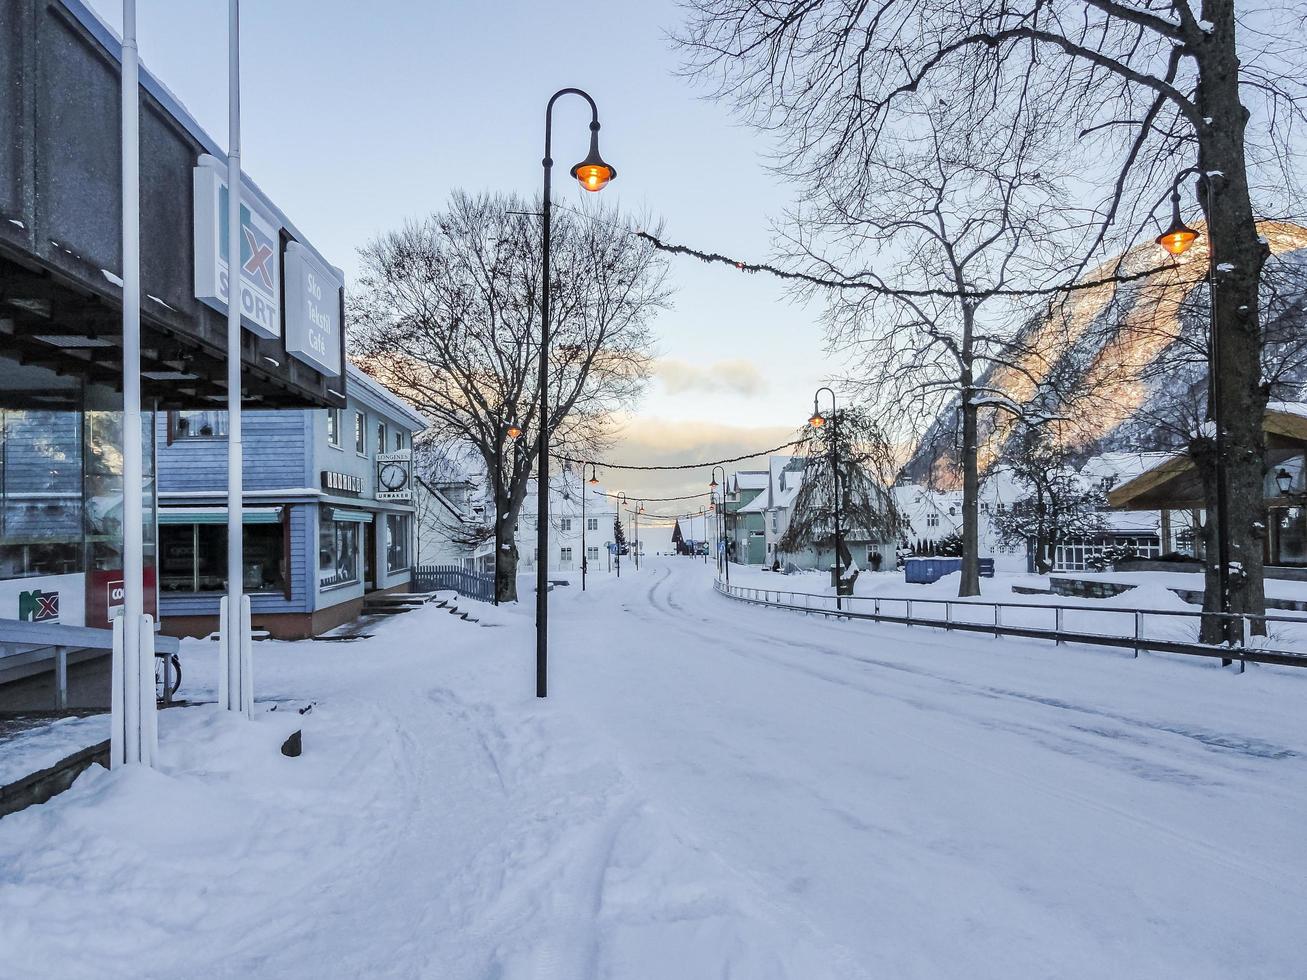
x=1174 y=483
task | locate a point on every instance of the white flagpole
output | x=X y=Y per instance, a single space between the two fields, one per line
x=233 y=642
x=128 y=691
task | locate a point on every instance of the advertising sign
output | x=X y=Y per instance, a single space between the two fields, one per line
x=104 y=595
x=395 y=476
x=260 y=258
x=312 y=310
x=55 y=599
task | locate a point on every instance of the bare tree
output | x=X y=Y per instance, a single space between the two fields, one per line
x=447 y=312
x=1147 y=90
x=981 y=223
x=1057 y=505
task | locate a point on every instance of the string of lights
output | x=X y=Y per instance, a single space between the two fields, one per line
x=682 y=466
x=880 y=288
x=640 y=498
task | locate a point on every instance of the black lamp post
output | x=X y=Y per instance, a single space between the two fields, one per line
x=617 y=547
x=703 y=515
x=585 y=492
x=593 y=175
x=638 y=511
x=817 y=420
x=1176 y=240
x=512 y=430
x=723 y=546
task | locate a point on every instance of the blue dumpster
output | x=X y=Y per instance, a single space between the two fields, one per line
x=923 y=571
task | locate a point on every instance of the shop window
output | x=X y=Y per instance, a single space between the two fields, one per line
x=333 y=427
x=196 y=425
x=193 y=558
x=338 y=553
x=360 y=434
x=397 y=538
x=41 y=513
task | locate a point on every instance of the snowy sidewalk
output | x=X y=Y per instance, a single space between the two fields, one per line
x=711 y=790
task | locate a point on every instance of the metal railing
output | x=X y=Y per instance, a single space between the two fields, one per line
x=1058 y=623
x=27 y=649
x=473 y=585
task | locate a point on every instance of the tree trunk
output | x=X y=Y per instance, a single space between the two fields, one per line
x=1237 y=256
x=970 y=582
x=506 y=574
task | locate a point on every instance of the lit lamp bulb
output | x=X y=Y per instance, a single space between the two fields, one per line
x=817 y=420
x=594 y=480
x=592 y=173
x=513 y=430
x=1177 y=239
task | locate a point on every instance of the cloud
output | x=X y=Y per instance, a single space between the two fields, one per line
x=736 y=377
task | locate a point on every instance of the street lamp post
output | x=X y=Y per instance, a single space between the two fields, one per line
x=593 y=174
x=617 y=545
x=1176 y=240
x=723 y=546
x=513 y=431
x=703 y=516
x=585 y=492
x=817 y=421
x=638 y=511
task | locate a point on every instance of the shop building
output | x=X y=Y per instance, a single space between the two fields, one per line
x=61 y=406
x=328 y=509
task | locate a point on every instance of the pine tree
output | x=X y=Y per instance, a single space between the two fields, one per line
x=619 y=536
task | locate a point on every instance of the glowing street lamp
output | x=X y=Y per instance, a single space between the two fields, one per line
x=593 y=174
x=1179 y=237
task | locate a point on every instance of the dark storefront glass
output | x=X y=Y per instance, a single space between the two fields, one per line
x=194 y=558
x=338 y=553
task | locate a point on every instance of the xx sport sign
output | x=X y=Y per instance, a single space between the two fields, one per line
x=260 y=258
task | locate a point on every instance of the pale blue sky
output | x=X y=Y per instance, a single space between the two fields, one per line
x=359 y=115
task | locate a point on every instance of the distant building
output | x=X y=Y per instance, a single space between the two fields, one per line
x=573 y=531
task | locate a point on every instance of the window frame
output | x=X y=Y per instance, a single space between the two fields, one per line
x=334 y=420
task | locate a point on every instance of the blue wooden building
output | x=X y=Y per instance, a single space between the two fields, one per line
x=328 y=511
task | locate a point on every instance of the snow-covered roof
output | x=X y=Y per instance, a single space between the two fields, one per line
x=1121 y=465
x=748 y=480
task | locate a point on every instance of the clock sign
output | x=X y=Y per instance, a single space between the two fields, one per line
x=394 y=476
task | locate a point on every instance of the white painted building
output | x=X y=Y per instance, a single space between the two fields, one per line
x=573 y=525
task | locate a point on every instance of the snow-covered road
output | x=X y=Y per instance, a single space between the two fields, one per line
x=712 y=790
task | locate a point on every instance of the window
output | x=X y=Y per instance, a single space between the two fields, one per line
x=565 y=555
x=592 y=524
x=952 y=511
x=193 y=558
x=197 y=425
x=565 y=524
x=932 y=520
x=592 y=554
x=338 y=553
x=399 y=440
x=774 y=520
x=360 y=434
x=381 y=437
x=333 y=427
x=397 y=538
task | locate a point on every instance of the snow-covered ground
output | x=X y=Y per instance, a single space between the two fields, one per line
x=711 y=790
